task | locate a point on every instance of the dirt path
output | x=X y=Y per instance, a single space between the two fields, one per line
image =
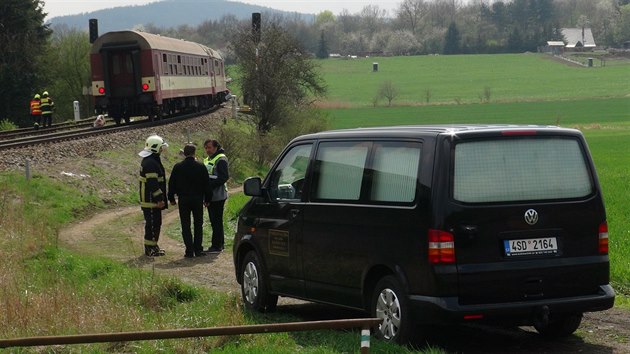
x=117 y=234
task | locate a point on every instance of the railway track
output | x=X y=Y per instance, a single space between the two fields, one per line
x=85 y=129
x=26 y=132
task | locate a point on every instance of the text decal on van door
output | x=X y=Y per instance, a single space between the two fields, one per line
x=279 y=242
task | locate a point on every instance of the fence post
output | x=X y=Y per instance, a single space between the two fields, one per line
x=27 y=168
x=365 y=340
x=234 y=107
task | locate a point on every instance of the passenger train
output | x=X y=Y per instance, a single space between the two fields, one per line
x=142 y=74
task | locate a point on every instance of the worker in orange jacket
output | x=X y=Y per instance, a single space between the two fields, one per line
x=36 y=111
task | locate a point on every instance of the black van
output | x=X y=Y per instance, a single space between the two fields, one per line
x=431 y=225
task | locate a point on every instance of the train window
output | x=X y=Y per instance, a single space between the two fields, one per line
x=128 y=64
x=115 y=64
x=165 y=68
x=164 y=57
x=179 y=59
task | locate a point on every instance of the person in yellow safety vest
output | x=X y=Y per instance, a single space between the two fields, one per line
x=47 y=105
x=152 y=193
x=217 y=165
x=36 y=111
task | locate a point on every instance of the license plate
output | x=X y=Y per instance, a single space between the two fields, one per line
x=530 y=246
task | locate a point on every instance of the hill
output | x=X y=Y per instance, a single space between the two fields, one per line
x=167 y=13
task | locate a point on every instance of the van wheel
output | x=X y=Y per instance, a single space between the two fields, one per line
x=390 y=303
x=560 y=326
x=254 y=287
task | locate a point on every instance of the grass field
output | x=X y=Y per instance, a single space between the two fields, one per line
x=583 y=112
x=464 y=79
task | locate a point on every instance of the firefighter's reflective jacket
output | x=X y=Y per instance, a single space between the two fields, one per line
x=152 y=182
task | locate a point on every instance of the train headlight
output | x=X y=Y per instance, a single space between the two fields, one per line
x=101 y=90
x=145 y=87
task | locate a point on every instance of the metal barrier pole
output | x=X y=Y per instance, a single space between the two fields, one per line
x=188 y=333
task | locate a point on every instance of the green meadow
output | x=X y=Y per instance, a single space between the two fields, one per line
x=503 y=89
x=471 y=79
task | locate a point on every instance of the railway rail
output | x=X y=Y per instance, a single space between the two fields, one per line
x=83 y=130
x=30 y=131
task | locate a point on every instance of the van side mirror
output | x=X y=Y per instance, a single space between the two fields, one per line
x=252 y=187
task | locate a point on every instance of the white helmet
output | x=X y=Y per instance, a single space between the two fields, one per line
x=153 y=145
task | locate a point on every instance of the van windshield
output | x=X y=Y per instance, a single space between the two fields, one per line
x=506 y=170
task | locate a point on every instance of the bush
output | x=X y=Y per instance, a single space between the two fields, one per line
x=6 y=125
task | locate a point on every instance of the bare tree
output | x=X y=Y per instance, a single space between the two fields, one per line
x=388 y=90
x=410 y=14
x=278 y=79
x=372 y=19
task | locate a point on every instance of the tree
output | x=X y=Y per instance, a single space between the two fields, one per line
x=410 y=14
x=515 y=41
x=322 y=50
x=23 y=39
x=451 y=41
x=278 y=79
x=388 y=90
x=68 y=62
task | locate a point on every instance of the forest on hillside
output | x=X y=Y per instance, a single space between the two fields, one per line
x=419 y=27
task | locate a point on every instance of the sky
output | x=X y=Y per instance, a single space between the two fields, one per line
x=71 y=7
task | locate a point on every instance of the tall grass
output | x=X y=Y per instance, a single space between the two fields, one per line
x=47 y=290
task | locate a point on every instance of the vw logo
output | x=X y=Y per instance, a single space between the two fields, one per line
x=531 y=216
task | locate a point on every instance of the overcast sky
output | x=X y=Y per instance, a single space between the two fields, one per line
x=70 y=7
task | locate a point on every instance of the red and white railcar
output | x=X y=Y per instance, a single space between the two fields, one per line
x=143 y=74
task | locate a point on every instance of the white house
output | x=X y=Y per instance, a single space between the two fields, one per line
x=578 y=38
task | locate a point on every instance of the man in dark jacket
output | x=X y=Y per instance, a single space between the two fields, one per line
x=217 y=165
x=188 y=181
x=152 y=193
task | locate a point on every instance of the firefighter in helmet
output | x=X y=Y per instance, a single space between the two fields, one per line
x=36 y=111
x=153 y=195
x=47 y=105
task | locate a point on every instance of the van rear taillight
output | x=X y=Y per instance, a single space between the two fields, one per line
x=603 y=238
x=441 y=247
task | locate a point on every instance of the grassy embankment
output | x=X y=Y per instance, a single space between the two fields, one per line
x=47 y=290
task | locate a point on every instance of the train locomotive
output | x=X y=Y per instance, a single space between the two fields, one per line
x=142 y=74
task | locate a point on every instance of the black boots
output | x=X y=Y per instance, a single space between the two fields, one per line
x=153 y=251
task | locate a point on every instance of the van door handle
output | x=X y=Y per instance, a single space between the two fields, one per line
x=294 y=213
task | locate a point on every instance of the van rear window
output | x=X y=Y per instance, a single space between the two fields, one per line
x=506 y=170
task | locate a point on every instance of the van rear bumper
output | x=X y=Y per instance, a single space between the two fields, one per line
x=447 y=310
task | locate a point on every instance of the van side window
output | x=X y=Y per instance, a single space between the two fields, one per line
x=528 y=169
x=287 y=180
x=395 y=171
x=339 y=170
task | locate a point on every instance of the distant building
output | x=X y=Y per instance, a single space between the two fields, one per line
x=578 y=38
x=554 y=47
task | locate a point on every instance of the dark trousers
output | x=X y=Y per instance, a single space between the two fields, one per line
x=215 y=213
x=194 y=206
x=37 y=118
x=47 y=119
x=152 y=225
